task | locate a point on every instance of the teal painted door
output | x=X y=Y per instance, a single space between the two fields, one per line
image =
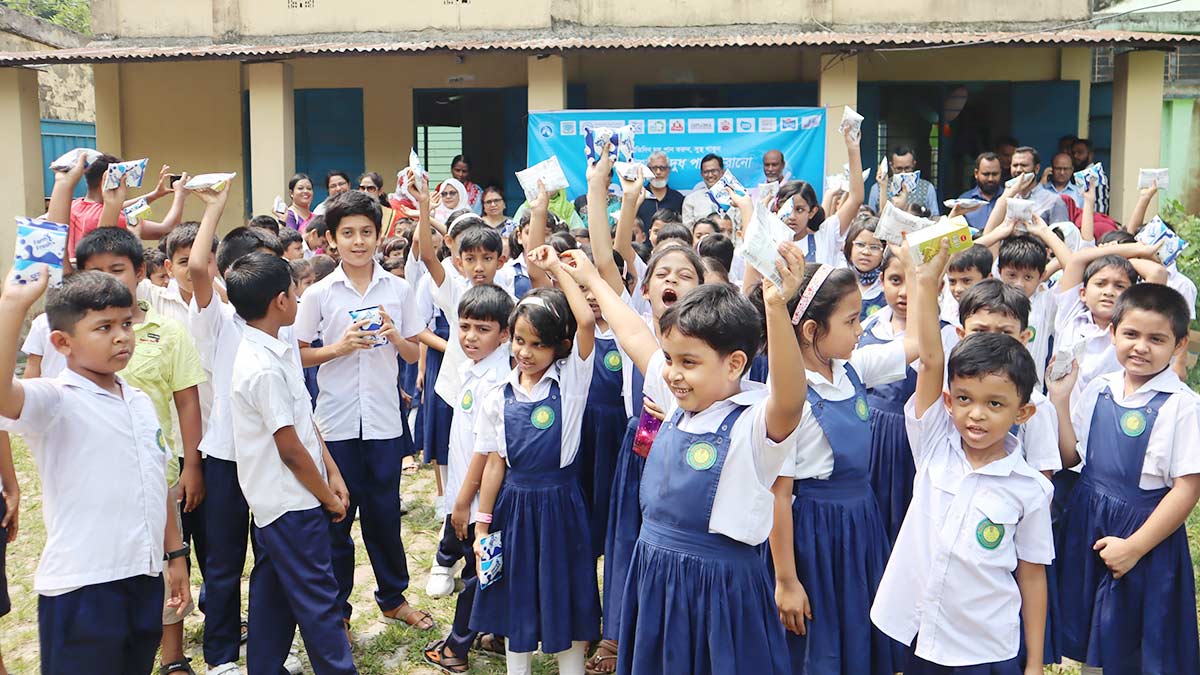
x=1043 y=112
x=329 y=135
x=58 y=137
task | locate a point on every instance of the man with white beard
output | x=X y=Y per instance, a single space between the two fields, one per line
x=660 y=195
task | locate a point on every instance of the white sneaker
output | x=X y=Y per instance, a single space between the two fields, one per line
x=292 y=663
x=225 y=669
x=441 y=582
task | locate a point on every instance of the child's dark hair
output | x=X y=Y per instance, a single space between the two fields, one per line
x=84 y=292
x=1117 y=237
x=693 y=258
x=1024 y=252
x=840 y=283
x=985 y=354
x=1158 y=298
x=462 y=219
x=644 y=250
x=336 y=172
x=861 y=223
x=394 y=244
x=390 y=265
x=918 y=209
x=514 y=245
x=486 y=302
x=710 y=220
x=113 y=240
x=717 y=246
x=562 y=242
x=94 y=172
x=993 y=295
x=154 y=260
x=978 y=257
x=480 y=238
x=242 y=241
x=806 y=192
x=1100 y=263
x=352 y=203
x=546 y=309
x=715 y=271
x=288 y=236
x=269 y=223
x=322 y=265
x=719 y=315
x=301 y=268
x=665 y=216
x=184 y=236
x=317 y=224
x=673 y=232
x=254 y=280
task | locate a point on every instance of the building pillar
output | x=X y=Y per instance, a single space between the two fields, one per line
x=1136 y=126
x=838 y=86
x=1075 y=63
x=272 y=132
x=21 y=193
x=106 y=79
x=547 y=82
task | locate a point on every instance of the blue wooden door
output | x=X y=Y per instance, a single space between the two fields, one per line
x=1100 y=122
x=58 y=137
x=329 y=135
x=1043 y=112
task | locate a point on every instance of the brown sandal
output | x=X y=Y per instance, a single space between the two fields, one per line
x=436 y=655
x=411 y=616
x=604 y=659
x=489 y=643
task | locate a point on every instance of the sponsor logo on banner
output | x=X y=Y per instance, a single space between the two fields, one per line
x=567 y=128
x=767 y=125
x=725 y=125
x=745 y=125
x=789 y=123
x=546 y=130
x=700 y=126
x=677 y=126
x=810 y=122
x=639 y=126
x=656 y=127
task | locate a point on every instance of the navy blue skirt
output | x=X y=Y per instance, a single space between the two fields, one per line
x=624 y=524
x=700 y=604
x=918 y=666
x=548 y=592
x=1142 y=623
x=436 y=415
x=892 y=468
x=841 y=552
x=600 y=440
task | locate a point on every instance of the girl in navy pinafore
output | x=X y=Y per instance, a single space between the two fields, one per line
x=604 y=424
x=435 y=414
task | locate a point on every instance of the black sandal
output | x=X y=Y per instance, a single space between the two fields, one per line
x=245 y=632
x=436 y=656
x=489 y=643
x=183 y=666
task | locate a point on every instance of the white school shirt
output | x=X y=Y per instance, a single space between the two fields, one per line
x=218 y=332
x=268 y=394
x=447 y=297
x=358 y=398
x=638 y=300
x=627 y=392
x=946 y=583
x=506 y=276
x=876 y=365
x=37 y=343
x=1039 y=435
x=478 y=380
x=1073 y=323
x=169 y=302
x=743 y=508
x=574 y=377
x=1171 y=450
x=102 y=461
x=948 y=307
x=1186 y=288
x=1042 y=308
x=829 y=241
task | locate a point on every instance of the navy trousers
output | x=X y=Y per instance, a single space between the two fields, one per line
x=227 y=521
x=461 y=636
x=109 y=629
x=194 y=531
x=293 y=585
x=371 y=470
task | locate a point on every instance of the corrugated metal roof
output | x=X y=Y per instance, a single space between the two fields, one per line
x=583 y=39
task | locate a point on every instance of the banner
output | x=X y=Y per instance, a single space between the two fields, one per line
x=739 y=135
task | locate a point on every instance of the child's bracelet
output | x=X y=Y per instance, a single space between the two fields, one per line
x=483 y=517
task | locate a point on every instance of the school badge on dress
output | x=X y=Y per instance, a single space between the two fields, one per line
x=542 y=417
x=861 y=409
x=468 y=400
x=161 y=440
x=989 y=534
x=612 y=360
x=701 y=456
x=1133 y=423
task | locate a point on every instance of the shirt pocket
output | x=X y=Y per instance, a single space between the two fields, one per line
x=944 y=488
x=147 y=365
x=991 y=529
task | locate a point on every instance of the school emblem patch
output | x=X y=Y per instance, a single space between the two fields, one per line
x=701 y=456
x=1133 y=423
x=612 y=360
x=989 y=534
x=872 y=309
x=1032 y=333
x=468 y=399
x=861 y=409
x=542 y=417
x=161 y=439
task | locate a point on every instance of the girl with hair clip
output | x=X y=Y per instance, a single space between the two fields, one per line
x=547 y=593
x=829 y=547
x=820 y=235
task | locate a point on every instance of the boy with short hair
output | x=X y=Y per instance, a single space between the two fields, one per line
x=293 y=244
x=1022 y=263
x=288 y=478
x=102 y=461
x=358 y=407
x=482 y=335
x=966 y=268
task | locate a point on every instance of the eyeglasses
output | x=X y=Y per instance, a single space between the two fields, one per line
x=449 y=193
x=710 y=172
x=869 y=248
x=368 y=188
x=659 y=167
x=492 y=202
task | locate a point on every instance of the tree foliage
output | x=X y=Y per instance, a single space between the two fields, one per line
x=73 y=14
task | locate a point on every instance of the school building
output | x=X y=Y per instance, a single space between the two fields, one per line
x=270 y=87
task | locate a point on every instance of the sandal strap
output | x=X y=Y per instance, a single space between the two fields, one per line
x=177 y=667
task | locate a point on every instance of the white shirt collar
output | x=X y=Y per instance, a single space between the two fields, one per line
x=73 y=379
x=1166 y=381
x=377 y=272
x=554 y=372
x=260 y=338
x=497 y=359
x=838 y=371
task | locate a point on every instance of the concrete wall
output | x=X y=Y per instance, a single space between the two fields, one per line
x=150 y=18
x=64 y=92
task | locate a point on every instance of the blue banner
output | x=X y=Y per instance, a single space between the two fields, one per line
x=739 y=135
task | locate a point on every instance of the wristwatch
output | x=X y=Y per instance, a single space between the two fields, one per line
x=178 y=553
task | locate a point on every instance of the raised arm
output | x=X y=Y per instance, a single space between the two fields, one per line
x=634 y=335
x=1079 y=260
x=1042 y=231
x=539 y=213
x=789 y=386
x=1087 y=221
x=114 y=201
x=854 y=200
x=546 y=259
x=1138 y=217
x=59 y=210
x=425 y=242
x=14 y=305
x=923 y=308
x=198 y=262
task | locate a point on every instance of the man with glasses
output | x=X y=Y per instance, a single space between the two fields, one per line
x=660 y=196
x=904 y=161
x=1057 y=178
x=697 y=204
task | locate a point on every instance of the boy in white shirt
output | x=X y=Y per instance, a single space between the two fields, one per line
x=288 y=478
x=978 y=514
x=358 y=406
x=102 y=461
x=482 y=331
x=1022 y=263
